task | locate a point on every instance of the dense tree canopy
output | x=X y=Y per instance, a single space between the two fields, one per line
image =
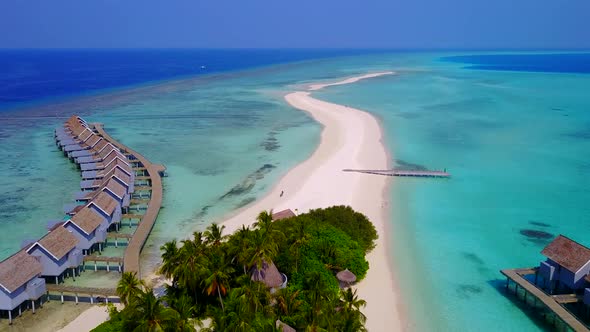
x=214 y=275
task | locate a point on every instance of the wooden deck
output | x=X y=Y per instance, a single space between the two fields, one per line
x=94 y=258
x=131 y=259
x=90 y=292
x=551 y=302
x=405 y=173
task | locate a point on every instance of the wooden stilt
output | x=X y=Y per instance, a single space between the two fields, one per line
x=33 y=305
x=10 y=317
x=76 y=298
x=62 y=297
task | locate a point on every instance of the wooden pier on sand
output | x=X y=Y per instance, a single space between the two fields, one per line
x=553 y=312
x=405 y=173
x=153 y=174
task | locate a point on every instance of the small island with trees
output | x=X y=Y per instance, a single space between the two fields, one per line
x=277 y=276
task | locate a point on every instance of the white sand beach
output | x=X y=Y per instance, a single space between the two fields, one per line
x=351 y=138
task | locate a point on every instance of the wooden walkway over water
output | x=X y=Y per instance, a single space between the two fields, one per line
x=553 y=303
x=131 y=259
x=76 y=291
x=398 y=172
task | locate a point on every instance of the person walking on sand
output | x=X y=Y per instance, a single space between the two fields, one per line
x=281 y=193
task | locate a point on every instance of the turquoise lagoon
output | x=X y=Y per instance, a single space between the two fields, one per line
x=517 y=144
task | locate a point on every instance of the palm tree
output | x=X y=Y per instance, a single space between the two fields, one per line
x=218 y=277
x=251 y=294
x=350 y=302
x=213 y=234
x=264 y=221
x=148 y=314
x=190 y=273
x=289 y=307
x=262 y=250
x=128 y=287
x=186 y=311
x=170 y=259
x=299 y=237
x=239 y=243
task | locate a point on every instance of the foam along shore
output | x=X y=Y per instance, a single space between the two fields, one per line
x=350 y=138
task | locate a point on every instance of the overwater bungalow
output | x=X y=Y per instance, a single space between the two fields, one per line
x=57 y=252
x=89 y=226
x=104 y=163
x=111 y=186
x=117 y=174
x=559 y=288
x=77 y=156
x=567 y=264
x=76 y=138
x=87 y=144
x=20 y=282
x=96 y=154
x=71 y=128
x=108 y=206
x=99 y=174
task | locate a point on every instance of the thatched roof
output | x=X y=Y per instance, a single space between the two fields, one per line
x=284 y=327
x=105 y=202
x=87 y=220
x=567 y=253
x=17 y=270
x=268 y=274
x=57 y=243
x=346 y=276
x=283 y=214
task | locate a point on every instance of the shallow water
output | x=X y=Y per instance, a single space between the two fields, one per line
x=515 y=143
x=517 y=147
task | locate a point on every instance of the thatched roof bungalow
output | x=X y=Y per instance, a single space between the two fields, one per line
x=345 y=278
x=284 y=214
x=269 y=275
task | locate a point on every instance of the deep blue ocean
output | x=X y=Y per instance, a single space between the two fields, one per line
x=513 y=130
x=548 y=63
x=35 y=75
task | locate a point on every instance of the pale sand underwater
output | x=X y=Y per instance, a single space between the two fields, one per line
x=350 y=138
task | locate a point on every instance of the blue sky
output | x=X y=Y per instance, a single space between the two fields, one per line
x=295 y=24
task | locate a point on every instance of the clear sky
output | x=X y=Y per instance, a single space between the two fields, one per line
x=294 y=24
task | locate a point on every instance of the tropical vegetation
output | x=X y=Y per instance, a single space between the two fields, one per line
x=222 y=278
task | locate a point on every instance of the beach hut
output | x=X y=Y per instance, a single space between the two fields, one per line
x=57 y=252
x=284 y=214
x=20 y=281
x=567 y=264
x=269 y=275
x=284 y=327
x=89 y=227
x=345 y=278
